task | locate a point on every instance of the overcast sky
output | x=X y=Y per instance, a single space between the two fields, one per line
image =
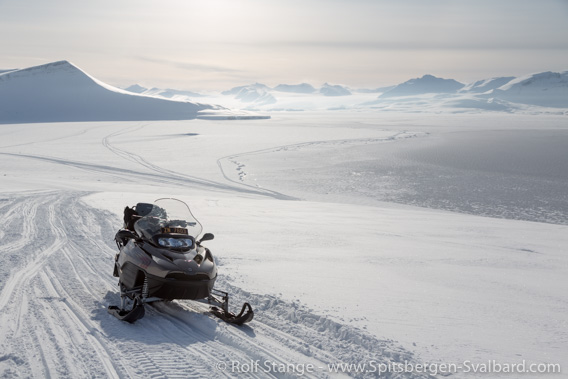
x=218 y=44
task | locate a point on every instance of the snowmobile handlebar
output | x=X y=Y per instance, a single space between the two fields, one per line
x=125 y=234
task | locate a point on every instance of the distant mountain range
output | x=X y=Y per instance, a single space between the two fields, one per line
x=547 y=89
x=425 y=84
x=60 y=91
x=167 y=93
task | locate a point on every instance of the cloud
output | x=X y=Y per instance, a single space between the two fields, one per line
x=417 y=45
x=191 y=66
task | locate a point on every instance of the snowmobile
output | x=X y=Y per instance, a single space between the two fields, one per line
x=160 y=258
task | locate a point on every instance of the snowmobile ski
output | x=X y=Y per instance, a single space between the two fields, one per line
x=246 y=315
x=130 y=316
x=220 y=308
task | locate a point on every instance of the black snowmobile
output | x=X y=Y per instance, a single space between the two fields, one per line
x=160 y=258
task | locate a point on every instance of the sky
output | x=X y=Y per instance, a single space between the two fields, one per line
x=218 y=44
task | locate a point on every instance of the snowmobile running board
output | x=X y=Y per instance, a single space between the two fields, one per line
x=220 y=308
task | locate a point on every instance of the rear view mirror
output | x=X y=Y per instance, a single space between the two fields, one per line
x=207 y=237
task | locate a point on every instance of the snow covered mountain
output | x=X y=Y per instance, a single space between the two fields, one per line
x=549 y=89
x=167 y=93
x=257 y=93
x=528 y=93
x=425 y=84
x=485 y=85
x=60 y=91
x=295 y=88
x=334 y=90
x=237 y=90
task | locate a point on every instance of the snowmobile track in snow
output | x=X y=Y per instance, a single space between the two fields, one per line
x=176 y=177
x=56 y=257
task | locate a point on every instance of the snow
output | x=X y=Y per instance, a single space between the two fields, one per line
x=358 y=236
x=544 y=89
x=295 y=88
x=236 y=90
x=485 y=85
x=425 y=84
x=334 y=90
x=541 y=93
x=164 y=93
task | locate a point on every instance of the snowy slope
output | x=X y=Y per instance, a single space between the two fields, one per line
x=485 y=85
x=56 y=284
x=548 y=89
x=332 y=279
x=60 y=91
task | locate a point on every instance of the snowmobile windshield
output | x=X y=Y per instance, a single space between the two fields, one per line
x=169 y=219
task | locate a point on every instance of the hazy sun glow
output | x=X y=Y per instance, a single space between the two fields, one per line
x=216 y=44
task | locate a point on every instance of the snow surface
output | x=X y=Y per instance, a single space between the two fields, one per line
x=428 y=228
x=333 y=276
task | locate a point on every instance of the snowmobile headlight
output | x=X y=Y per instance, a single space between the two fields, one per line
x=175 y=242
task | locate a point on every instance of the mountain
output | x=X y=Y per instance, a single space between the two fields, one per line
x=295 y=88
x=548 y=89
x=334 y=90
x=485 y=85
x=256 y=93
x=236 y=90
x=167 y=93
x=136 y=88
x=60 y=92
x=425 y=84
